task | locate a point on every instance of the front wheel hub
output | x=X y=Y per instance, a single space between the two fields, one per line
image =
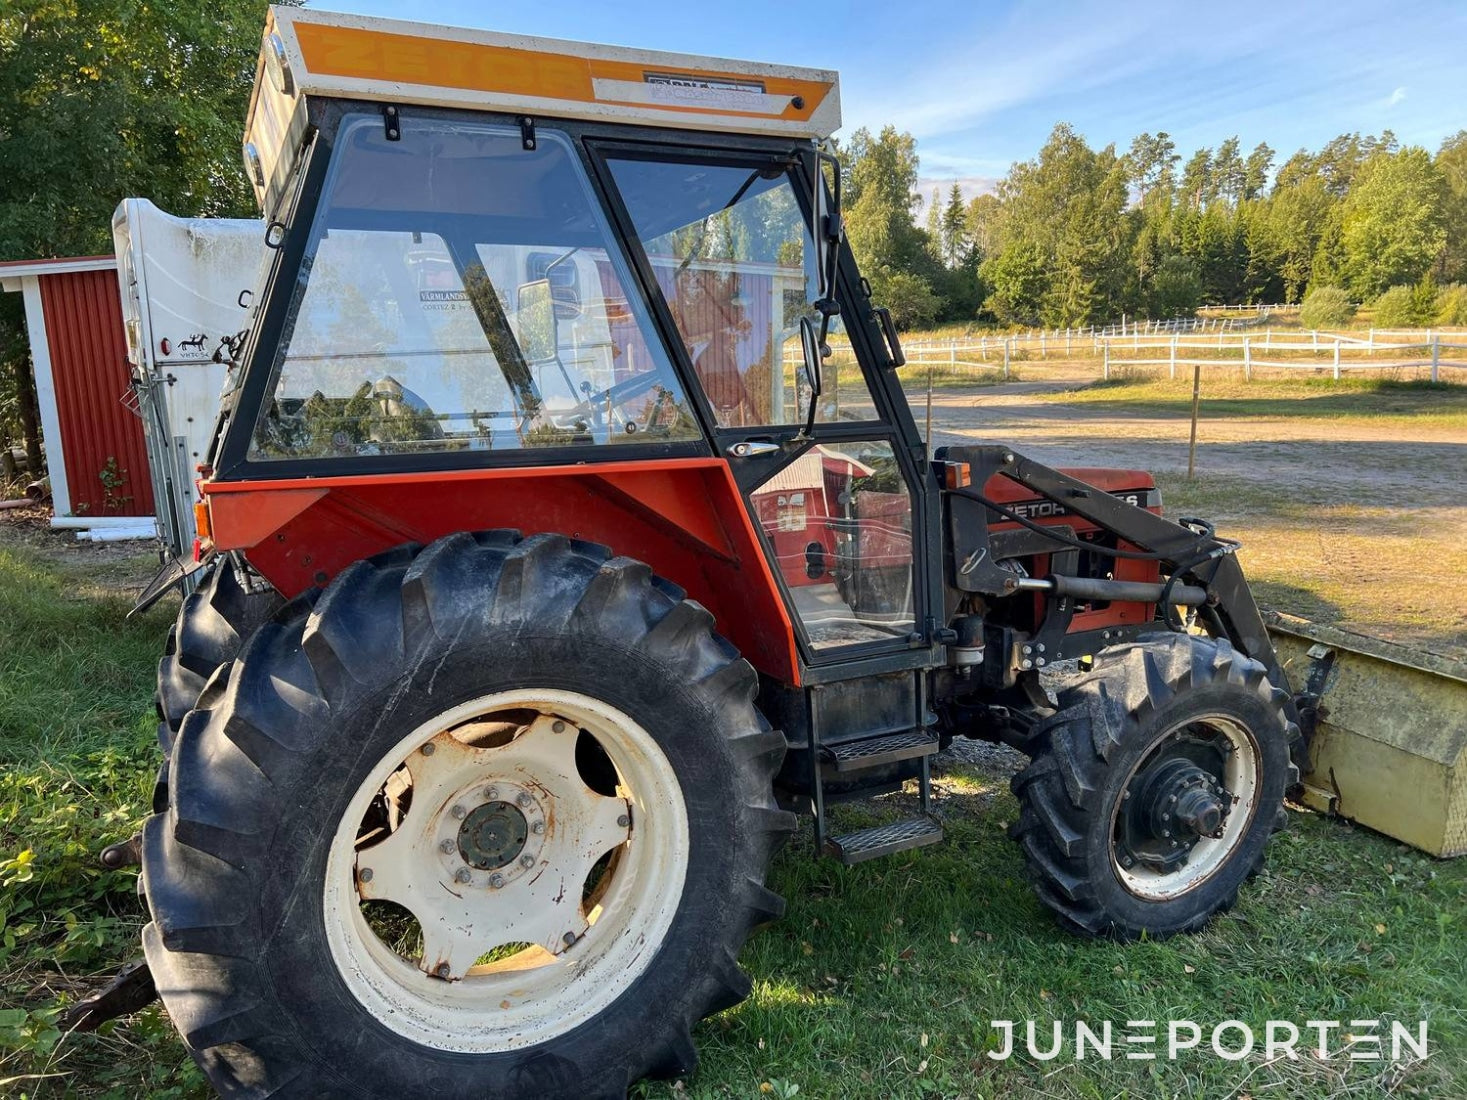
x=1185 y=806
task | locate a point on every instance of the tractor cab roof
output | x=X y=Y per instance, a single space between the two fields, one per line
x=316 y=54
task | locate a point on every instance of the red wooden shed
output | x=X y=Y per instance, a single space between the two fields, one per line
x=91 y=433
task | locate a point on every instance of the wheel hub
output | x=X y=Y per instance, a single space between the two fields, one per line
x=1173 y=803
x=493 y=835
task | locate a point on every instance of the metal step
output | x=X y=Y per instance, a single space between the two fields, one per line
x=873 y=752
x=883 y=840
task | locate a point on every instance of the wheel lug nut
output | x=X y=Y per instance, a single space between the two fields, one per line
x=457 y=811
x=462 y=875
x=537 y=828
x=568 y=939
x=496 y=881
x=523 y=798
x=623 y=821
x=429 y=749
x=365 y=874
x=527 y=861
x=491 y=793
x=447 y=847
x=442 y=970
x=557 y=726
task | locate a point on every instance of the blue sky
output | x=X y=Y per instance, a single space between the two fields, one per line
x=980 y=84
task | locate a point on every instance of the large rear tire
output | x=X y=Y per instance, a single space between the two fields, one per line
x=212 y=625
x=1154 y=788
x=386 y=784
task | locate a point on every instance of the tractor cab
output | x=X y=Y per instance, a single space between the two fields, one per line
x=605 y=260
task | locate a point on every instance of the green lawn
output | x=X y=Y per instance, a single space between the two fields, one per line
x=882 y=980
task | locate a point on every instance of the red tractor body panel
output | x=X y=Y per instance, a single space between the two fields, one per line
x=683 y=517
x=1136 y=486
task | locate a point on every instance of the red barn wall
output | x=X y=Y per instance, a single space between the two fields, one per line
x=91 y=376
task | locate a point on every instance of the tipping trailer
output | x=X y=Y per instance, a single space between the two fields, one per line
x=546 y=579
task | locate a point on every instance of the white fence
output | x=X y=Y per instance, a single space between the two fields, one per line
x=1173 y=344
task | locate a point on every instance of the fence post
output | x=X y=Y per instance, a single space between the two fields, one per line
x=1174 y=357
x=1006 y=342
x=1337 y=358
x=1105 y=370
x=928 y=436
x=1196 y=400
x=1041 y=343
x=1436 y=353
x=952 y=351
x=1247 y=359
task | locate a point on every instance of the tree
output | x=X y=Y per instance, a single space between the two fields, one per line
x=1176 y=290
x=1255 y=171
x=1392 y=222
x=1229 y=172
x=1065 y=212
x=1198 y=187
x=1151 y=166
x=956 y=245
x=881 y=201
x=1451 y=163
x=109 y=99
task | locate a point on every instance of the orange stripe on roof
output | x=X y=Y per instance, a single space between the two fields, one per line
x=354 y=53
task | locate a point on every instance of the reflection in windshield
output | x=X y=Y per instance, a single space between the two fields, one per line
x=459 y=294
x=838 y=520
x=731 y=252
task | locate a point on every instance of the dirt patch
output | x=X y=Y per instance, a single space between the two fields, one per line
x=119 y=569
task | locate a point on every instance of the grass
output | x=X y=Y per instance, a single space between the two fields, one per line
x=882 y=981
x=78 y=753
x=1382 y=401
x=1340 y=555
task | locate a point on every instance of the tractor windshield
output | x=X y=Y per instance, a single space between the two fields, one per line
x=461 y=291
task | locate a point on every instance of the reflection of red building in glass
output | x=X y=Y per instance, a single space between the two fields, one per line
x=795 y=508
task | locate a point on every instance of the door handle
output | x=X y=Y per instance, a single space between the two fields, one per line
x=752 y=449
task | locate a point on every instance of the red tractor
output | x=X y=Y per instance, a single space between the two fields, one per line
x=544 y=579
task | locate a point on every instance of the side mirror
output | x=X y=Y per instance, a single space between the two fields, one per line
x=811 y=347
x=536 y=322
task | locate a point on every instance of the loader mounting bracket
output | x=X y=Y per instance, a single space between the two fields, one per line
x=1230 y=611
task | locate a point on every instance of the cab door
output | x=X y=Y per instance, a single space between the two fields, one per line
x=724 y=239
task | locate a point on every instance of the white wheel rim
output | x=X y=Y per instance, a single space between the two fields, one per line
x=582 y=958
x=1240 y=779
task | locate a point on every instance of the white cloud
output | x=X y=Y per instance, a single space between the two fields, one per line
x=1396 y=97
x=971 y=187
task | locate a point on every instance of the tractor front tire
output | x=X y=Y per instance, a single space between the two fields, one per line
x=490 y=819
x=1154 y=788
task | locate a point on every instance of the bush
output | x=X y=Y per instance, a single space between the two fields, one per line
x=1326 y=307
x=1451 y=305
x=1408 y=306
x=1396 y=308
x=910 y=298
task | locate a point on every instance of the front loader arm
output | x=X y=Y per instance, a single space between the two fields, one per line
x=1189 y=556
